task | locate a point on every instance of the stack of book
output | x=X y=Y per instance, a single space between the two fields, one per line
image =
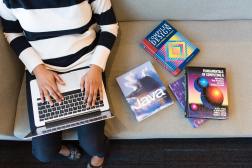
x=201 y=92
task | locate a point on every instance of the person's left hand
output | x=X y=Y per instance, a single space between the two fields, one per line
x=91 y=84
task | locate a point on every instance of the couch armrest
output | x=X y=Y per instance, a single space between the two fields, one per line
x=11 y=74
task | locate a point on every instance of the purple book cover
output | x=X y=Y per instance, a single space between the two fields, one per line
x=207 y=95
x=178 y=89
x=144 y=91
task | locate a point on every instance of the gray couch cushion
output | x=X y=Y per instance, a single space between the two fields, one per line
x=22 y=122
x=222 y=43
x=182 y=9
x=11 y=73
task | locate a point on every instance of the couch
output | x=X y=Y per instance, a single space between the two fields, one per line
x=222 y=29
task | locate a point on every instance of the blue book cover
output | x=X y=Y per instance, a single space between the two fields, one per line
x=178 y=88
x=169 y=47
x=144 y=91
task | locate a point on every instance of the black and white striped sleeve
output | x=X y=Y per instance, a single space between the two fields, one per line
x=106 y=20
x=15 y=36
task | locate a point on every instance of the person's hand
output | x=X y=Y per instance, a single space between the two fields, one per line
x=47 y=83
x=91 y=83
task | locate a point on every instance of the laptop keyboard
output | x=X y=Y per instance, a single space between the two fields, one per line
x=73 y=104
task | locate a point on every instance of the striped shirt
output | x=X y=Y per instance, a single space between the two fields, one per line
x=59 y=33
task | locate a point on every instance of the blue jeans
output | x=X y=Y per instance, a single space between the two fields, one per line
x=46 y=148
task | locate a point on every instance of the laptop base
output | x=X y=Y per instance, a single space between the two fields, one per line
x=70 y=123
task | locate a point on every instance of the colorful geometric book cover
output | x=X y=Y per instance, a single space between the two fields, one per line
x=207 y=95
x=178 y=88
x=144 y=91
x=169 y=47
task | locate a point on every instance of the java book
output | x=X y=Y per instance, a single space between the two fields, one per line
x=178 y=88
x=207 y=95
x=144 y=91
x=169 y=47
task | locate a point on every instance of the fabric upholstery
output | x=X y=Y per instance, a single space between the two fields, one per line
x=222 y=43
x=11 y=72
x=9 y=137
x=130 y=10
x=22 y=127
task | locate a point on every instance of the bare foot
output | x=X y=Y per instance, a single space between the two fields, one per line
x=64 y=151
x=97 y=161
x=70 y=151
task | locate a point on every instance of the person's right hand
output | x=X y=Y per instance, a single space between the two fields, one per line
x=47 y=83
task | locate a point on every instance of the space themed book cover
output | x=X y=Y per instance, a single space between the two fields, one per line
x=144 y=91
x=169 y=47
x=178 y=88
x=207 y=95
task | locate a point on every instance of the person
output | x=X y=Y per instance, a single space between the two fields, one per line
x=53 y=36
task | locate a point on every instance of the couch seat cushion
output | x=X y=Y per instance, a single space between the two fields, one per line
x=222 y=43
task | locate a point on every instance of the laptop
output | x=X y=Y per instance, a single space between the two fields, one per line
x=72 y=112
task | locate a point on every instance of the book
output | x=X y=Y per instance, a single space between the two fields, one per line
x=178 y=89
x=207 y=95
x=144 y=91
x=169 y=47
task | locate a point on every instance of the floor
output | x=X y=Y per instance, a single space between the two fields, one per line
x=157 y=153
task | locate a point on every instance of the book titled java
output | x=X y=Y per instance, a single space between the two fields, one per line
x=144 y=91
x=169 y=47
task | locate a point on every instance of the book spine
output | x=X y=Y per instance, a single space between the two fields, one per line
x=151 y=52
x=176 y=72
x=149 y=47
x=226 y=86
x=186 y=93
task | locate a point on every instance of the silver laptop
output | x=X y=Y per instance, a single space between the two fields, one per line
x=72 y=112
